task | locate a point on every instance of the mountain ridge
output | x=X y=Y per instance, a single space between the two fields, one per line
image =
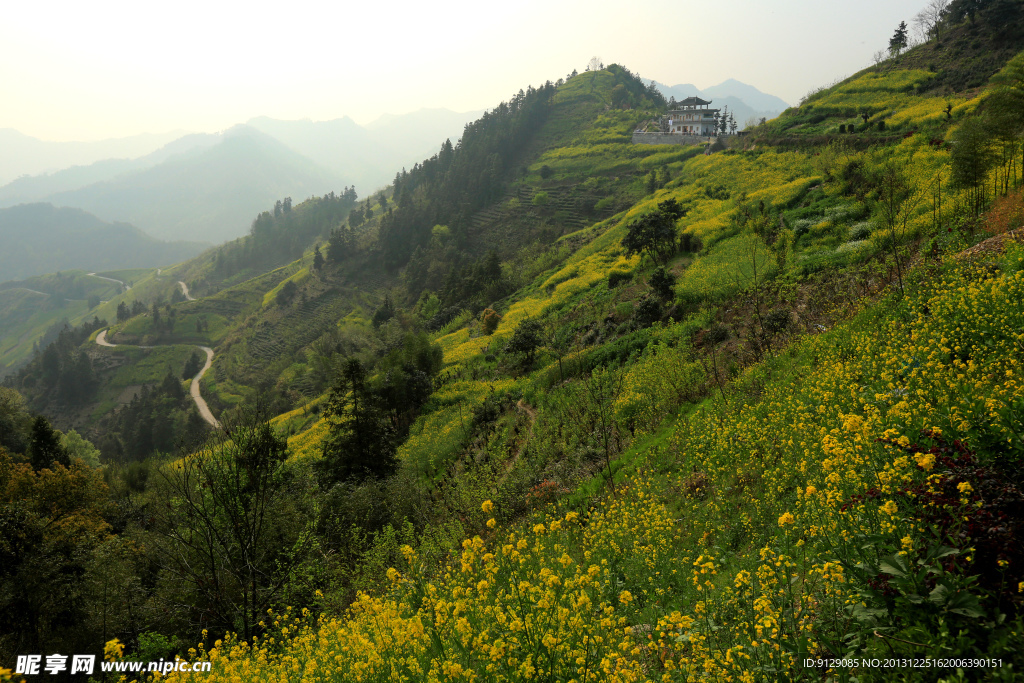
x=204 y=193
x=27 y=155
x=70 y=238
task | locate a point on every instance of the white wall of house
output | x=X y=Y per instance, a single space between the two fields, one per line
x=692 y=121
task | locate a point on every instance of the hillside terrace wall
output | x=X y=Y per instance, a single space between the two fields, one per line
x=640 y=138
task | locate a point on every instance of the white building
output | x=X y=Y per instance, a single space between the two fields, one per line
x=691 y=117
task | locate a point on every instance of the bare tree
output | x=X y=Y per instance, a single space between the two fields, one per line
x=591 y=408
x=928 y=21
x=595 y=64
x=897 y=198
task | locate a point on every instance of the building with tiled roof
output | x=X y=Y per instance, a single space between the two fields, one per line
x=691 y=116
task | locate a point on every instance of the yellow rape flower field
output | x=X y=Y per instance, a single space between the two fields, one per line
x=836 y=499
x=750 y=540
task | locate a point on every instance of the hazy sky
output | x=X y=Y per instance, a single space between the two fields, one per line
x=92 y=70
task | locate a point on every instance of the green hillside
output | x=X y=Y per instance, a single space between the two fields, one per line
x=40 y=238
x=556 y=406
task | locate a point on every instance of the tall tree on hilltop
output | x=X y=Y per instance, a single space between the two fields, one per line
x=898 y=42
x=929 y=19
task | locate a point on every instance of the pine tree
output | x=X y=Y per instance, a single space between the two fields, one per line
x=360 y=444
x=338 y=245
x=898 y=42
x=44 y=446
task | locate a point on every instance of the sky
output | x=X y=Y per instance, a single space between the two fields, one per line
x=113 y=68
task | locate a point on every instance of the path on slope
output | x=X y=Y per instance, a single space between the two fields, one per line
x=36 y=291
x=204 y=410
x=184 y=290
x=532 y=414
x=26 y=289
x=102 y=277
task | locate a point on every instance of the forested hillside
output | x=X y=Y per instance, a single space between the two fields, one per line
x=557 y=406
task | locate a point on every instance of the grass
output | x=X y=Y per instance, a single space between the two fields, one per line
x=129 y=275
x=26 y=318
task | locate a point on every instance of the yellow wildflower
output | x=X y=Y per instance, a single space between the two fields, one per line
x=925 y=461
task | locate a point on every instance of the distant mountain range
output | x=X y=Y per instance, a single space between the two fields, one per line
x=744 y=101
x=39 y=238
x=35 y=188
x=21 y=154
x=209 y=193
x=209 y=187
x=368 y=156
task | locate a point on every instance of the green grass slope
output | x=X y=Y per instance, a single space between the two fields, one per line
x=800 y=453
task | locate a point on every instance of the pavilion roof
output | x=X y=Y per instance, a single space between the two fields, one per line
x=693 y=102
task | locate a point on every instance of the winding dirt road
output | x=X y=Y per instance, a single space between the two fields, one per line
x=184 y=290
x=204 y=410
x=110 y=279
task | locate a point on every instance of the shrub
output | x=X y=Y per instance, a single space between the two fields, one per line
x=624 y=310
x=489 y=320
x=716 y=334
x=690 y=243
x=803 y=226
x=662 y=283
x=617 y=277
x=777 y=321
x=860 y=231
x=648 y=311
x=286 y=294
x=848 y=247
